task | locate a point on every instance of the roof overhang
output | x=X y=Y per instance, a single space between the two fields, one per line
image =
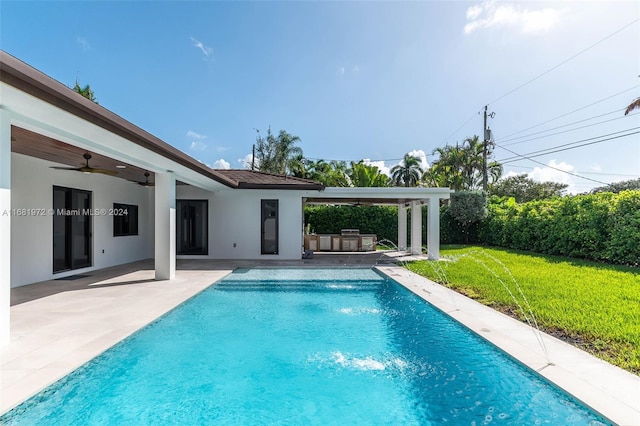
x=42 y=105
x=376 y=196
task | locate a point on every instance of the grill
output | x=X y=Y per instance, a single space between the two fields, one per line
x=349 y=240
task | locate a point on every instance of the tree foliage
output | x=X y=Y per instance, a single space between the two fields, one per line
x=460 y=167
x=633 y=105
x=524 y=189
x=408 y=172
x=366 y=175
x=278 y=154
x=332 y=173
x=85 y=91
x=468 y=208
x=617 y=187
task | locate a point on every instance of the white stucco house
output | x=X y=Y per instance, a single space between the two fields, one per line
x=70 y=169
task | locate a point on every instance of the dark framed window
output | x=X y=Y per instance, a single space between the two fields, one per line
x=269 y=226
x=125 y=219
x=72 y=239
x=192 y=227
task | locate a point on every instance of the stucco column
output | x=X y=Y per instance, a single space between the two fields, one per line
x=5 y=225
x=165 y=226
x=402 y=227
x=433 y=229
x=416 y=227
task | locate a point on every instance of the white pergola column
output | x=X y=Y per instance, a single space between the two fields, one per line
x=402 y=227
x=5 y=226
x=165 y=226
x=416 y=227
x=433 y=229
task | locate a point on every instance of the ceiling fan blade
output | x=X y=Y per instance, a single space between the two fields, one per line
x=64 y=168
x=146 y=184
x=102 y=171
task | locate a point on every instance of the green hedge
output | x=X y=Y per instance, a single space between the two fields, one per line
x=603 y=227
x=379 y=220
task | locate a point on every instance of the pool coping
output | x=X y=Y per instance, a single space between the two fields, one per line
x=610 y=391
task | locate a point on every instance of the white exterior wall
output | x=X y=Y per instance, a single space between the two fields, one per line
x=32 y=236
x=234 y=218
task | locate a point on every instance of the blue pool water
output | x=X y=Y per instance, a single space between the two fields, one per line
x=298 y=347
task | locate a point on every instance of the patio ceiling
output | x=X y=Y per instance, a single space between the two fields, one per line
x=43 y=147
x=359 y=201
x=391 y=196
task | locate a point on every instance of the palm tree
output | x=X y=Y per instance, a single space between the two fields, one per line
x=330 y=174
x=85 y=91
x=460 y=167
x=298 y=166
x=633 y=105
x=366 y=175
x=447 y=169
x=408 y=172
x=278 y=154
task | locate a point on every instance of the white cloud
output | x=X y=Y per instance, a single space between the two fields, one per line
x=509 y=174
x=596 y=167
x=196 y=143
x=555 y=173
x=221 y=164
x=206 y=50
x=84 y=43
x=197 y=146
x=490 y=14
x=424 y=164
x=194 y=135
x=246 y=161
x=379 y=164
x=348 y=70
x=221 y=148
x=473 y=12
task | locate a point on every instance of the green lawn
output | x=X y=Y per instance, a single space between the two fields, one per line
x=591 y=305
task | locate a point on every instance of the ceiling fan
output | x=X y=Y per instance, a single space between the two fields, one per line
x=146 y=180
x=87 y=168
x=361 y=203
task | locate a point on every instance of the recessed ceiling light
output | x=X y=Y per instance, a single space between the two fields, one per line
x=120 y=166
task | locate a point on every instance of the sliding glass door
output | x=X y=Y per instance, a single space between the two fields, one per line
x=191 y=227
x=71 y=229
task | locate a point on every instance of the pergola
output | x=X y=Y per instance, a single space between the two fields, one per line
x=403 y=198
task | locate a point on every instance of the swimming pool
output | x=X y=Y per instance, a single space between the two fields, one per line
x=338 y=346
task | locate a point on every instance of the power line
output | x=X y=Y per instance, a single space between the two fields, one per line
x=559 y=133
x=507 y=139
x=574 y=111
x=552 y=149
x=456 y=131
x=565 y=61
x=555 y=168
x=582 y=172
x=517 y=156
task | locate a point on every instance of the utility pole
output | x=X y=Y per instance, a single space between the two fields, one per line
x=253 y=156
x=485 y=148
x=485 y=180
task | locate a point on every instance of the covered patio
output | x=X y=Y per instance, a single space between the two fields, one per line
x=413 y=199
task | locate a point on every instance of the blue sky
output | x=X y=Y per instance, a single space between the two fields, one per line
x=356 y=80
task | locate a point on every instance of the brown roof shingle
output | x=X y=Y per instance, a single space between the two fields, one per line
x=253 y=179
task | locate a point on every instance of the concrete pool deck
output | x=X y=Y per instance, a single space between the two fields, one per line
x=58 y=325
